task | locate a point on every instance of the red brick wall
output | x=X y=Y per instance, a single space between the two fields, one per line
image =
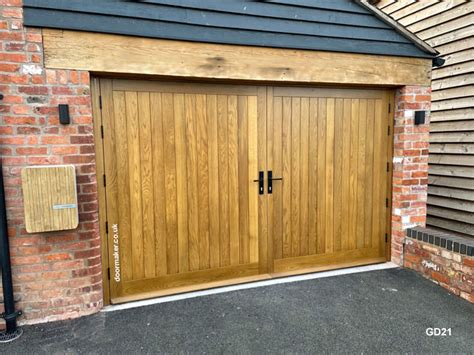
x=453 y=271
x=56 y=275
x=410 y=165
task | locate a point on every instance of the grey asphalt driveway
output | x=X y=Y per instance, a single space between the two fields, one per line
x=373 y=312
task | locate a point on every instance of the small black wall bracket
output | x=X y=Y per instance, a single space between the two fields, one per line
x=64 y=117
x=438 y=62
x=420 y=117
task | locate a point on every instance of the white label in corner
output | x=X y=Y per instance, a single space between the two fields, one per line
x=65 y=206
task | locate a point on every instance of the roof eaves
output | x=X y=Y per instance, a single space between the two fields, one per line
x=398 y=27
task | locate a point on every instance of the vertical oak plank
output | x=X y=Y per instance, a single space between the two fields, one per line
x=286 y=145
x=170 y=184
x=111 y=170
x=369 y=162
x=203 y=180
x=313 y=177
x=295 y=175
x=378 y=182
x=277 y=218
x=159 y=183
x=214 y=236
x=304 y=178
x=338 y=148
x=232 y=125
x=133 y=130
x=361 y=183
x=243 y=172
x=181 y=181
x=191 y=164
x=330 y=175
x=354 y=158
x=146 y=164
x=222 y=123
x=120 y=157
x=269 y=121
x=253 y=174
x=262 y=243
x=346 y=176
x=321 y=181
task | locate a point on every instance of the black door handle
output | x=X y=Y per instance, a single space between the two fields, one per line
x=261 y=178
x=270 y=181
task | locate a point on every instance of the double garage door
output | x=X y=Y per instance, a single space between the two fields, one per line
x=211 y=184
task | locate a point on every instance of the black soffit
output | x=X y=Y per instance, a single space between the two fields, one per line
x=326 y=25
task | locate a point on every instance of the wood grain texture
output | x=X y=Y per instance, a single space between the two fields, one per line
x=135 y=183
x=262 y=238
x=181 y=190
x=369 y=166
x=286 y=174
x=223 y=180
x=253 y=174
x=213 y=155
x=159 y=185
x=295 y=175
x=111 y=166
x=243 y=169
x=182 y=165
x=50 y=200
x=361 y=182
x=169 y=152
x=203 y=180
x=321 y=181
x=447 y=25
x=181 y=182
x=338 y=172
x=192 y=170
x=329 y=172
x=346 y=179
x=304 y=177
x=232 y=126
x=146 y=165
x=324 y=144
x=313 y=177
x=100 y=53
x=276 y=161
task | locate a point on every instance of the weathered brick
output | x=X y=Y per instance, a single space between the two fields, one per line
x=446 y=268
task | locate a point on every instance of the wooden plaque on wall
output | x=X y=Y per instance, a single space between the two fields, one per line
x=50 y=198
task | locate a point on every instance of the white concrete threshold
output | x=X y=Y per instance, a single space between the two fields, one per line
x=276 y=281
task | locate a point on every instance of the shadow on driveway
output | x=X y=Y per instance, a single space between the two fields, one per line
x=377 y=311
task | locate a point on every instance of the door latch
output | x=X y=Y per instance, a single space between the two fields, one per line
x=261 y=178
x=270 y=181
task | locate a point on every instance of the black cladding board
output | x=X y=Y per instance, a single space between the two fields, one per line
x=326 y=25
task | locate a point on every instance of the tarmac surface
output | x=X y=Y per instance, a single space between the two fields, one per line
x=372 y=312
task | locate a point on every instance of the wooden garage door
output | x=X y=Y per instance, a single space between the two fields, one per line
x=180 y=160
x=184 y=210
x=331 y=148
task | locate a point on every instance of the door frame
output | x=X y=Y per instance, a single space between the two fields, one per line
x=265 y=90
x=100 y=171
